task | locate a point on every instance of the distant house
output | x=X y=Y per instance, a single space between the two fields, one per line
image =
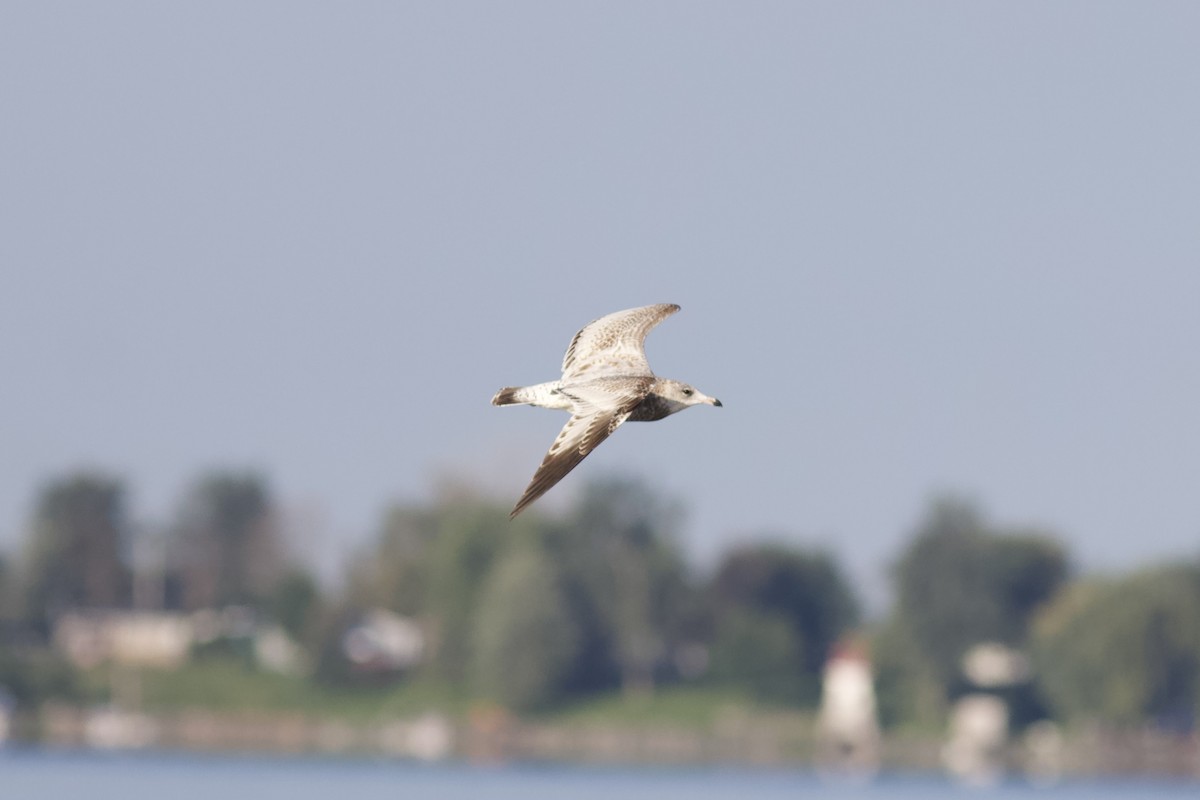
x=163 y=640
x=384 y=642
x=134 y=638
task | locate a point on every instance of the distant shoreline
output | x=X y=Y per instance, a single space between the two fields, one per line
x=497 y=738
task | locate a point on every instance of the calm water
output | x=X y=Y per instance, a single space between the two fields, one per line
x=33 y=775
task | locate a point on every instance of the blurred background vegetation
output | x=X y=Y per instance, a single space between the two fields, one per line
x=453 y=608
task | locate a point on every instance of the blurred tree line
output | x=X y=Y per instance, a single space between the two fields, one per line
x=533 y=613
x=601 y=599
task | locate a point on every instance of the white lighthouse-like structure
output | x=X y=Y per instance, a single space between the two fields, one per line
x=848 y=725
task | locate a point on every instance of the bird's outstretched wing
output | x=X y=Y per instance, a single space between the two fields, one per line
x=599 y=410
x=614 y=344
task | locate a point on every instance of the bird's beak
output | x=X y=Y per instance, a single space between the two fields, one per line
x=715 y=401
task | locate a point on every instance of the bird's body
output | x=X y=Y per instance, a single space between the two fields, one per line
x=606 y=381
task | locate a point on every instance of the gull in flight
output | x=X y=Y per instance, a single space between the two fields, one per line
x=606 y=380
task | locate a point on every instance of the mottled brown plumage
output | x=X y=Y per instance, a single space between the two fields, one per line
x=606 y=380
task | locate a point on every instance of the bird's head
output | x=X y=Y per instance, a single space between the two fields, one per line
x=685 y=395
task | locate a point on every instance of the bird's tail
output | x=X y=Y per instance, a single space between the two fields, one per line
x=511 y=396
x=546 y=395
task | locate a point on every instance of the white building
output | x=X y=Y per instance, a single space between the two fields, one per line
x=133 y=638
x=384 y=641
x=978 y=733
x=848 y=724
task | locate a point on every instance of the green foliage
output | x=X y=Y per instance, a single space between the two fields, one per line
x=330 y=665
x=395 y=573
x=618 y=590
x=1027 y=569
x=762 y=652
x=225 y=648
x=960 y=583
x=943 y=599
x=630 y=588
x=295 y=604
x=525 y=640
x=75 y=553
x=907 y=689
x=9 y=610
x=542 y=613
x=35 y=676
x=1124 y=651
x=806 y=590
x=228 y=547
x=470 y=536
x=229 y=684
x=696 y=707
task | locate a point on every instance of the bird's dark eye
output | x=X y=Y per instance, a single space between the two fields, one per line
x=687 y=392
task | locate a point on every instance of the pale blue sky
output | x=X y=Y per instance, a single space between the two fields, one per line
x=919 y=247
